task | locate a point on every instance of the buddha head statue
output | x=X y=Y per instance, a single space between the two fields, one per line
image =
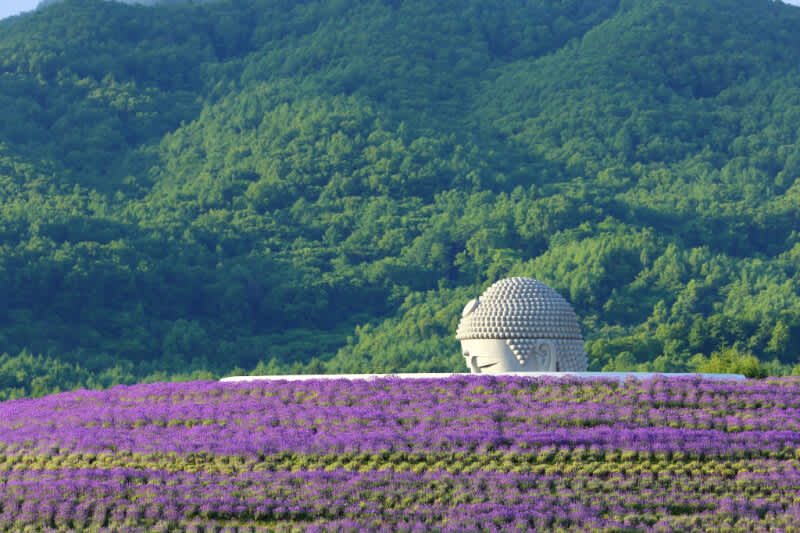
x=521 y=325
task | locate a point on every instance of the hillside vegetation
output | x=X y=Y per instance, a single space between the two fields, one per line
x=46 y=3
x=300 y=186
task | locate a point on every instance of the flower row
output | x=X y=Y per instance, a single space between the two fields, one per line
x=79 y=499
x=431 y=415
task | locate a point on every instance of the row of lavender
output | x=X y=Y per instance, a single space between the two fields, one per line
x=453 y=454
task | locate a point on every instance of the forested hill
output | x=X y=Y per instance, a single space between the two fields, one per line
x=300 y=186
x=46 y=3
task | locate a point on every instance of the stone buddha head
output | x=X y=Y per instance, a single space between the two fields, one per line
x=521 y=325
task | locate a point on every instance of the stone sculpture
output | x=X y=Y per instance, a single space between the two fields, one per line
x=521 y=325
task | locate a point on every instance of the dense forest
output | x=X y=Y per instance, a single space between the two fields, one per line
x=191 y=191
x=46 y=3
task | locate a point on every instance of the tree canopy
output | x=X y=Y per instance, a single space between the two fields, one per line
x=202 y=189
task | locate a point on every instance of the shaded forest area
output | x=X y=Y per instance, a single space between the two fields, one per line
x=190 y=191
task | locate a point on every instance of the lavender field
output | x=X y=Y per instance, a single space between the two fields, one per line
x=467 y=453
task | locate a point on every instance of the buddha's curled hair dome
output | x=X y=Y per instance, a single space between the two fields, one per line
x=522 y=311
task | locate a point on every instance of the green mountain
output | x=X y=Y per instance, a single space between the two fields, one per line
x=46 y=3
x=299 y=186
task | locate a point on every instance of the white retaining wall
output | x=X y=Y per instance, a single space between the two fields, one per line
x=622 y=376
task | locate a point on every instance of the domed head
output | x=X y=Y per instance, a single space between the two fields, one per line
x=520 y=325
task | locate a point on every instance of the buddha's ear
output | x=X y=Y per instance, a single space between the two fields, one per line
x=471 y=306
x=473 y=364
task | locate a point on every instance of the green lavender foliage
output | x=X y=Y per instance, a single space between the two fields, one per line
x=319 y=186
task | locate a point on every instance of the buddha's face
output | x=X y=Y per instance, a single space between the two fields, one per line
x=491 y=356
